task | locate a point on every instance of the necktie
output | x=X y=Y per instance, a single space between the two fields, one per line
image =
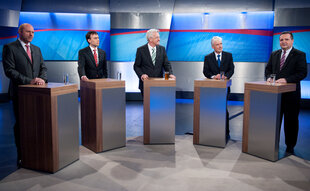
x=219 y=60
x=28 y=52
x=282 y=60
x=95 y=57
x=153 y=56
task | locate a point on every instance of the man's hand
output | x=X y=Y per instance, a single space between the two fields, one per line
x=217 y=77
x=281 y=81
x=172 y=76
x=84 y=78
x=269 y=80
x=37 y=81
x=144 y=77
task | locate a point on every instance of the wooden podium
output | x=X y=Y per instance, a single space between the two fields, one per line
x=49 y=126
x=103 y=110
x=261 y=118
x=159 y=111
x=210 y=104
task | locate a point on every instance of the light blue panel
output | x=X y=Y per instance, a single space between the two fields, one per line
x=124 y=46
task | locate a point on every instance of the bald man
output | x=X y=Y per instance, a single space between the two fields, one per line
x=23 y=64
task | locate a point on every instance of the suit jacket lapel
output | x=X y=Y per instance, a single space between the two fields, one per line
x=23 y=51
x=215 y=61
x=91 y=55
x=148 y=54
x=289 y=57
x=277 y=64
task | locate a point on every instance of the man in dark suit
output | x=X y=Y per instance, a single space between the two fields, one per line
x=290 y=66
x=23 y=64
x=92 y=62
x=219 y=64
x=151 y=59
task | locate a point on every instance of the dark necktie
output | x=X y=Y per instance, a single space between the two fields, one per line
x=282 y=61
x=28 y=52
x=95 y=57
x=219 y=60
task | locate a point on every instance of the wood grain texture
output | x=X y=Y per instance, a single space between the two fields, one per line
x=38 y=125
x=266 y=87
x=104 y=83
x=91 y=110
x=261 y=86
x=212 y=83
x=196 y=115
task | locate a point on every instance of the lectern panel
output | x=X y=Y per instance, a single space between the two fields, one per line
x=212 y=117
x=162 y=115
x=68 y=128
x=264 y=124
x=113 y=118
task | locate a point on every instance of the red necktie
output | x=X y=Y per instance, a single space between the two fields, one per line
x=28 y=52
x=282 y=60
x=95 y=57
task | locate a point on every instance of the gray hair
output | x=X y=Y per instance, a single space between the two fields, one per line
x=150 y=33
x=215 y=38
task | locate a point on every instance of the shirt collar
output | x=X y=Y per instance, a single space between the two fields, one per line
x=287 y=51
x=92 y=49
x=23 y=43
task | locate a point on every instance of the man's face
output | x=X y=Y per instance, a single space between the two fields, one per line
x=217 y=46
x=286 y=42
x=26 y=34
x=154 y=39
x=94 y=40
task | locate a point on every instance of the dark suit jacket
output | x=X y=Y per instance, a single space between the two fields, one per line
x=211 y=67
x=144 y=65
x=294 y=68
x=87 y=66
x=18 y=68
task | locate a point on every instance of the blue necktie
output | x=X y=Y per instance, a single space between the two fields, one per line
x=219 y=60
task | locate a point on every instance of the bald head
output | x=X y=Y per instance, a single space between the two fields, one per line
x=26 y=32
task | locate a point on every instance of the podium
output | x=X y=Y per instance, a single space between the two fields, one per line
x=49 y=126
x=159 y=111
x=103 y=110
x=210 y=104
x=261 y=118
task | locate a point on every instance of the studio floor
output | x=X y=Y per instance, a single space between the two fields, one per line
x=182 y=166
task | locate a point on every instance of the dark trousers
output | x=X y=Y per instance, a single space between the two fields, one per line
x=290 y=105
x=16 y=127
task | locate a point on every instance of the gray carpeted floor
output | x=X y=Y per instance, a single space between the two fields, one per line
x=182 y=166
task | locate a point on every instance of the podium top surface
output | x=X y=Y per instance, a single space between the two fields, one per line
x=212 y=83
x=159 y=82
x=104 y=83
x=267 y=87
x=49 y=88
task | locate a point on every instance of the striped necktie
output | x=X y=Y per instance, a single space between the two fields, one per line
x=282 y=61
x=153 y=56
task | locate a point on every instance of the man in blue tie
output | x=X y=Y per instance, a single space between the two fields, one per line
x=218 y=62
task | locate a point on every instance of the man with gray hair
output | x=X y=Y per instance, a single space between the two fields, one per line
x=151 y=59
x=219 y=65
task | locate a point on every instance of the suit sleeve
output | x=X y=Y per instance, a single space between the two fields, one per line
x=9 y=67
x=105 y=67
x=167 y=65
x=81 y=64
x=300 y=69
x=137 y=65
x=43 y=69
x=206 y=69
x=268 y=69
x=231 y=67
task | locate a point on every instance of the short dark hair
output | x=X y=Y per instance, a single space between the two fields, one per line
x=89 y=34
x=287 y=32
